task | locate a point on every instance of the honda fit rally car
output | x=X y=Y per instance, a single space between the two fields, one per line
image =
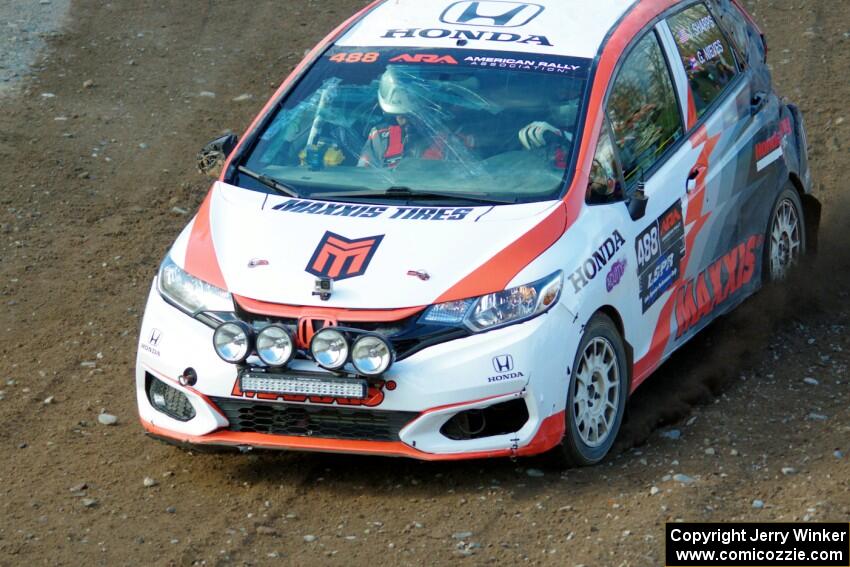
x=468 y=229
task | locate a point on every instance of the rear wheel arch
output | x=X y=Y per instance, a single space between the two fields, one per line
x=811 y=212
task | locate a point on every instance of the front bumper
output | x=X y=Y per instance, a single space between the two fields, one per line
x=431 y=387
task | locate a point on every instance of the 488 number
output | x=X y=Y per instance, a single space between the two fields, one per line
x=648 y=247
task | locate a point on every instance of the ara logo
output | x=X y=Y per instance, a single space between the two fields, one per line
x=338 y=258
x=593 y=265
x=491 y=13
x=424 y=58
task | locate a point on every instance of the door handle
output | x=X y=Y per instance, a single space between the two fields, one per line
x=758 y=102
x=691 y=183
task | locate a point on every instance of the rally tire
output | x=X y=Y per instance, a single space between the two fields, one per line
x=597 y=395
x=785 y=240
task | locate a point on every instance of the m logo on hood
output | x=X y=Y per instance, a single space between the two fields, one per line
x=338 y=258
x=491 y=14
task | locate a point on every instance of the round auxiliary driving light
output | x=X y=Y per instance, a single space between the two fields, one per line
x=232 y=342
x=275 y=346
x=330 y=349
x=371 y=355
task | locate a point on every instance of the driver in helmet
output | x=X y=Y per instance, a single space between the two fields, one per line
x=407 y=134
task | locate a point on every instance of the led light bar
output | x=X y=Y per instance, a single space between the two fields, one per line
x=305 y=386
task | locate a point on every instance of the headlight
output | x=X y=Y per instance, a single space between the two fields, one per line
x=275 y=346
x=371 y=355
x=232 y=342
x=502 y=308
x=330 y=349
x=188 y=292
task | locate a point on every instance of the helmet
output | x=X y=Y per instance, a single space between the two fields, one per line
x=393 y=95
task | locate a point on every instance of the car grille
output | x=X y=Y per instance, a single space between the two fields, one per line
x=312 y=421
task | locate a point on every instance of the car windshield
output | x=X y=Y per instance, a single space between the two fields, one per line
x=453 y=124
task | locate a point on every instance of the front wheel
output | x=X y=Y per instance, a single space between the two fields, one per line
x=596 y=399
x=786 y=235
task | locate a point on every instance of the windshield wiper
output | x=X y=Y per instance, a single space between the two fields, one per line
x=270 y=182
x=407 y=194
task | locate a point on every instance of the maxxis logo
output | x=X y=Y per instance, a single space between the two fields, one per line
x=338 y=258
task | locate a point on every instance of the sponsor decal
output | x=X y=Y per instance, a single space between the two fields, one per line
x=660 y=249
x=770 y=150
x=697 y=298
x=503 y=363
x=491 y=14
x=522 y=64
x=356 y=57
x=374 y=396
x=615 y=276
x=338 y=258
x=695 y=30
x=424 y=58
x=372 y=212
x=711 y=51
x=468 y=35
x=593 y=265
x=504 y=366
x=257 y=262
x=153 y=342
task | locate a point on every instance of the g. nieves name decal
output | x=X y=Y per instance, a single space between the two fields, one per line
x=593 y=265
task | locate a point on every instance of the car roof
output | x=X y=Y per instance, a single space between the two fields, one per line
x=574 y=28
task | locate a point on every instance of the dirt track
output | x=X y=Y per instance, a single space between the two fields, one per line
x=92 y=186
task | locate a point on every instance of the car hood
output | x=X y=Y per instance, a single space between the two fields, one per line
x=273 y=248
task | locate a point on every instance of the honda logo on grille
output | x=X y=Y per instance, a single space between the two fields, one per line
x=504 y=363
x=491 y=13
x=309 y=326
x=156 y=334
x=338 y=258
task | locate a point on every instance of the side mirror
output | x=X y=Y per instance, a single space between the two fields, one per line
x=212 y=157
x=637 y=203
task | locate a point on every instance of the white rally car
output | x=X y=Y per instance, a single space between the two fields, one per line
x=466 y=229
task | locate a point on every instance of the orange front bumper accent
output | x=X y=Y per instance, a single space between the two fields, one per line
x=550 y=434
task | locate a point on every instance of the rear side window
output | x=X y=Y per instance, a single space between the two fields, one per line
x=736 y=26
x=642 y=109
x=706 y=54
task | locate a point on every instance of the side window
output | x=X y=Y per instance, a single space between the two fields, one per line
x=605 y=183
x=642 y=108
x=707 y=56
x=735 y=24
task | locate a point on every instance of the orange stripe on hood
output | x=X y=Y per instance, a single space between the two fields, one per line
x=201 y=260
x=496 y=273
